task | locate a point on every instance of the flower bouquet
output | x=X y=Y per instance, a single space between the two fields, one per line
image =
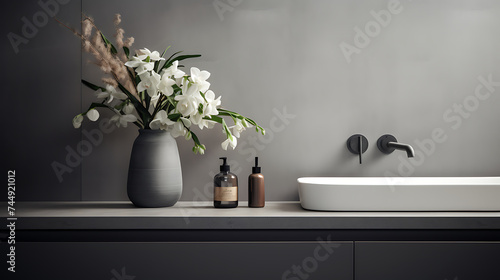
x=151 y=92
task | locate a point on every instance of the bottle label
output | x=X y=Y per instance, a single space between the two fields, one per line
x=226 y=193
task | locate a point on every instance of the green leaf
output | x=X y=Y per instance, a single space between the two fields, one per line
x=229 y=112
x=224 y=112
x=252 y=122
x=171 y=60
x=96 y=105
x=197 y=143
x=226 y=129
x=157 y=63
x=171 y=102
x=108 y=43
x=176 y=88
x=195 y=139
x=92 y=86
x=232 y=115
x=174 y=117
x=165 y=51
x=143 y=113
x=120 y=106
x=200 y=109
x=215 y=119
x=182 y=57
x=203 y=95
x=147 y=99
x=155 y=67
x=137 y=79
x=126 y=51
x=168 y=60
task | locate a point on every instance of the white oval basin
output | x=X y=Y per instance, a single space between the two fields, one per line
x=400 y=193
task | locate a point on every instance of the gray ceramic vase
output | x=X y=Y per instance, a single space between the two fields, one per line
x=154 y=175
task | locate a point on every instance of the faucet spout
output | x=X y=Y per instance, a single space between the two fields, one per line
x=404 y=147
x=388 y=143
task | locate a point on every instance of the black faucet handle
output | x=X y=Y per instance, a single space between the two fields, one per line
x=357 y=144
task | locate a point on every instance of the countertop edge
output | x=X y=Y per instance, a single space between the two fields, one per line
x=286 y=215
x=258 y=223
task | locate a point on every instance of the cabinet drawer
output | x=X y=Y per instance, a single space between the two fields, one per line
x=200 y=260
x=427 y=260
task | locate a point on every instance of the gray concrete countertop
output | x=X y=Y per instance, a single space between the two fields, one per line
x=112 y=215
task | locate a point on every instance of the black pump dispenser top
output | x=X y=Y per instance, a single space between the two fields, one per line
x=224 y=167
x=256 y=168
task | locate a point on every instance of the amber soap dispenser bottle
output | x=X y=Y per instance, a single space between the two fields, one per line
x=225 y=187
x=256 y=189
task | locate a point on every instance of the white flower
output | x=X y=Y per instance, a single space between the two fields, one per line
x=134 y=62
x=189 y=101
x=161 y=121
x=212 y=103
x=111 y=92
x=228 y=142
x=128 y=109
x=140 y=66
x=77 y=121
x=144 y=68
x=205 y=123
x=149 y=82
x=93 y=115
x=153 y=56
x=179 y=128
x=190 y=89
x=123 y=120
x=173 y=71
x=200 y=78
x=237 y=128
x=165 y=85
x=209 y=108
x=154 y=102
x=199 y=149
x=187 y=105
x=197 y=119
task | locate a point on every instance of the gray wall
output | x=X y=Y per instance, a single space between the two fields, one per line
x=311 y=72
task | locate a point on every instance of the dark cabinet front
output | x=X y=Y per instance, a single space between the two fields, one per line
x=427 y=260
x=183 y=260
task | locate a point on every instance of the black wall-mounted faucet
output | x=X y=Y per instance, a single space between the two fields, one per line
x=388 y=143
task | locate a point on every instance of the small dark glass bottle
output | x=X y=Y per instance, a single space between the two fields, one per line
x=225 y=187
x=256 y=189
